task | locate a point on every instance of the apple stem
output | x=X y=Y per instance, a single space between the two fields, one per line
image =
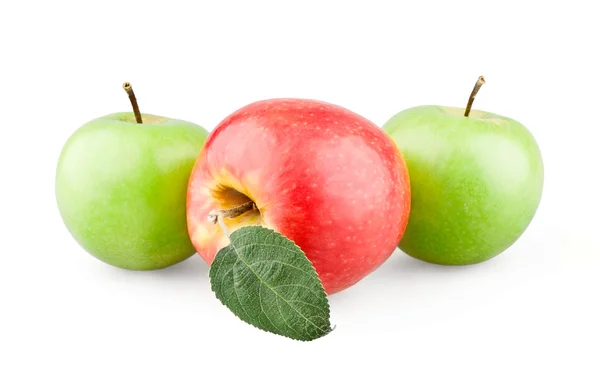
x=134 y=104
x=216 y=216
x=478 y=84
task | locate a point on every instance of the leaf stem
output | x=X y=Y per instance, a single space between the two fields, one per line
x=478 y=84
x=223 y=227
x=133 y=100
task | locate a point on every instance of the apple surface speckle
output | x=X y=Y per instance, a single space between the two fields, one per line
x=307 y=185
x=119 y=187
x=476 y=182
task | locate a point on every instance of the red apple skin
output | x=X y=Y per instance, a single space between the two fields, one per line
x=323 y=176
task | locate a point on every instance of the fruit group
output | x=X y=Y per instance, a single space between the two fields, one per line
x=476 y=182
x=121 y=188
x=325 y=177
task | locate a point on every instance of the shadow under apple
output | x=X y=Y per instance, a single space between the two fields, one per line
x=193 y=269
x=402 y=275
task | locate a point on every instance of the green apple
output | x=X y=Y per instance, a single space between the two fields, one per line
x=476 y=181
x=121 y=188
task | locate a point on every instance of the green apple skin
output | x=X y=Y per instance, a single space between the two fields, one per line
x=121 y=188
x=476 y=182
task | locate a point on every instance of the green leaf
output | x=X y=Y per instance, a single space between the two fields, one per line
x=267 y=281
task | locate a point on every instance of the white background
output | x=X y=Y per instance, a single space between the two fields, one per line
x=532 y=311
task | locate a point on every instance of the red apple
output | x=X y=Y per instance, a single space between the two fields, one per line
x=323 y=176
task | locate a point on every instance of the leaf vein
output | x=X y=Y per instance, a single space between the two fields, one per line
x=263 y=310
x=276 y=293
x=298 y=285
x=282 y=263
x=283 y=317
